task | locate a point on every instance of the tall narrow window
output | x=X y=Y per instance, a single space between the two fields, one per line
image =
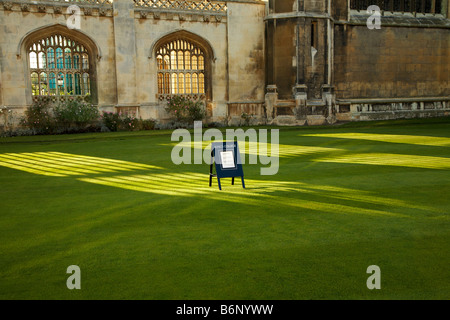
x=77 y=78
x=160 y=83
x=184 y=63
x=69 y=84
x=35 y=83
x=43 y=84
x=314 y=34
x=52 y=84
x=59 y=66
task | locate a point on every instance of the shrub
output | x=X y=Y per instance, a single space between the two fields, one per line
x=76 y=115
x=148 y=124
x=183 y=109
x=39 y=118
x=124 y=122
x=196 y=111
x=128 y=123
x=111 y=120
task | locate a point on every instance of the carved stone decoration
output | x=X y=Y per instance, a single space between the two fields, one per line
x=206 y=18
x=7 y=6
x=218 y=18
x=87 y=11
x=103 y=11
x=41 y=8
x=143 y=14
x=181 y=17
x=184 y=5
x=156 y=15
x=25 y=7
x=57 y=9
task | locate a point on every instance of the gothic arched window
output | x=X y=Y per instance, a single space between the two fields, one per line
x=59 y=66
x=182 y=69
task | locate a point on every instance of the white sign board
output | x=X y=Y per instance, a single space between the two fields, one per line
x=227 y=159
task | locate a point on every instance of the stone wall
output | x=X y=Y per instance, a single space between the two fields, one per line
x=391 y=62
x=124 y=33
x=323 y=56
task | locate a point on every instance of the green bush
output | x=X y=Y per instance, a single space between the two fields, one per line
x=196 y=111
x=123 y=122
x=128 y=123
x=39 y=118
x=75 y=115
x=183 y=109
x=147 y=124
x=111 y=120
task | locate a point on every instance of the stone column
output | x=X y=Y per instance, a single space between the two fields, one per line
x=125 y=51
x=329 y=99
x=271 y=99
x=301 y=96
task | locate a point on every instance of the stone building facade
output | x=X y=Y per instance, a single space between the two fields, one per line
x=286 y=62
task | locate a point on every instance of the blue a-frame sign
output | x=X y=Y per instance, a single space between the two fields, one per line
x=227 y=160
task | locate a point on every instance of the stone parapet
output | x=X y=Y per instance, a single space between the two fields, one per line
x=88 y=7
x=388 y=109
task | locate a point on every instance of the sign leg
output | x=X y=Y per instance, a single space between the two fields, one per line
x=232 y=181
x=218 y=180
x=211 y=170
x=243 y=184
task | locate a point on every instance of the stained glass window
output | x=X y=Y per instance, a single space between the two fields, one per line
x=59 y=66
x=181 y=68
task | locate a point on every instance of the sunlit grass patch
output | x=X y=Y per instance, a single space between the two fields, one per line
x=390 y=138
x=386 y=159
x=58 y=164
x=256 y=148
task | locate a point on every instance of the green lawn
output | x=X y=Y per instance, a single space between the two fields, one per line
x=139 y=227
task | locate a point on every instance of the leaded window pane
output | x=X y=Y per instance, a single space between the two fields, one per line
x=68 y=53
x=42 y=63
x=77 y=81
x=59 y=58
x=60 y=83
x=43 y=84
x=69 y=83
x=35 y=84
x=52 y=84
x=33 y=60
x=51 y=58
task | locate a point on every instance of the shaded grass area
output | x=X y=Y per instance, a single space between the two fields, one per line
x=309 y=232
